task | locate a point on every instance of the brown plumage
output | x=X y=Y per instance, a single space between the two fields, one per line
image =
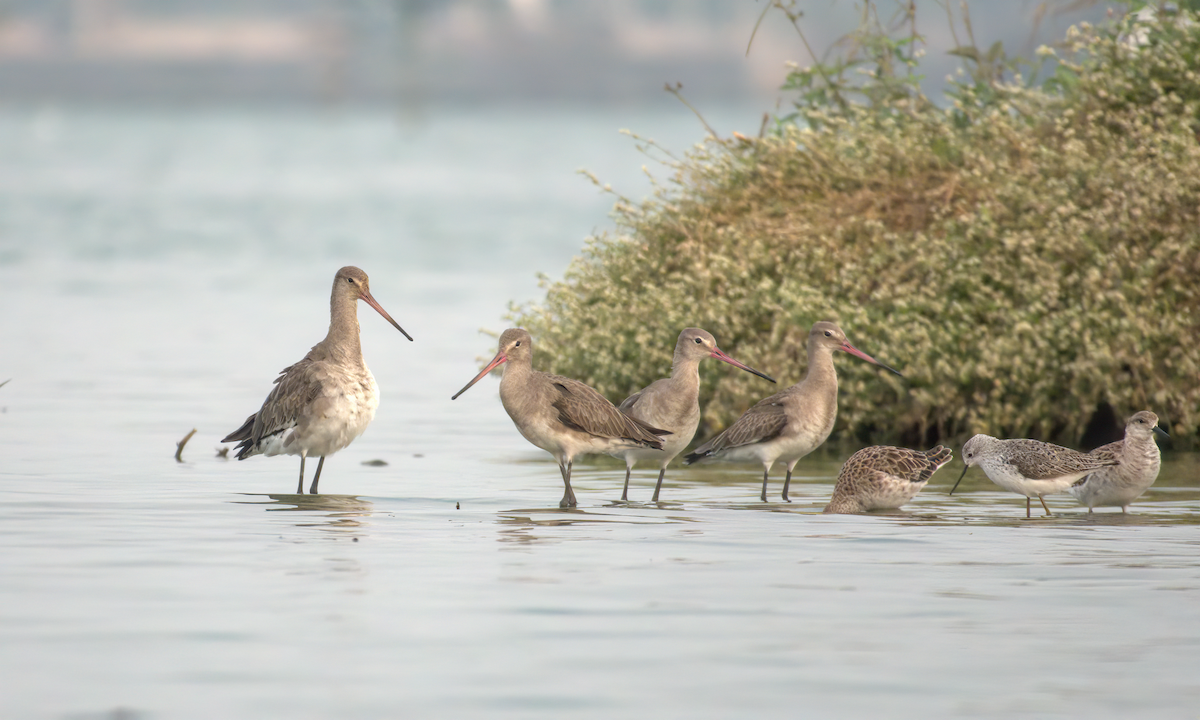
x=322 y=403
x=883 y=477
x=562 y=416
x=792 y=423
x=673 y=403
x=1139 y=458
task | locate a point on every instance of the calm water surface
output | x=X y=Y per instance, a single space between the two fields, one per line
x=158 y=269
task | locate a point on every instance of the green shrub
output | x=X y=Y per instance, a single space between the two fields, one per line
x=1022 y=256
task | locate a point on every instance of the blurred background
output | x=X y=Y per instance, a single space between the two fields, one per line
x=305 y=129
x=404 y=53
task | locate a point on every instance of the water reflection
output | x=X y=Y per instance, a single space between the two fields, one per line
x=327 y=512
x=519 y=526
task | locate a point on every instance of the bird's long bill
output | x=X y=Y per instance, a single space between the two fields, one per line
x=960 y=477
x=1157 y=429
x=366 y=297
x=860 y=354
x=725 y=358
x=500 y=358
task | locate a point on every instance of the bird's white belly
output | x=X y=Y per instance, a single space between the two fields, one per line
x=1009 y=479
x=1109 y=486
x=335 y=419
x=563 y=443
x=787 y=449
x=673 y=444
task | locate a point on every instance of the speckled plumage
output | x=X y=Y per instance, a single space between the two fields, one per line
x=883 y=477
x=1121 y=484
x=792 y=423
x=322 y=403
x=673 y=403
x=564 y=417
x=1029 y=467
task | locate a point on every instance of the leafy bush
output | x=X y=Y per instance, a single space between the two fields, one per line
x=1023 y=255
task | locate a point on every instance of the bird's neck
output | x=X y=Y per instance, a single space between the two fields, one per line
x=342 y=339
x=1140 y=450
x=820 y=368
x=686 y=373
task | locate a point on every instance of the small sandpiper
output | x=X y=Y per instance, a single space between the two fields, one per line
x=884 y=478
x=1029 y=467
x=1124 y=483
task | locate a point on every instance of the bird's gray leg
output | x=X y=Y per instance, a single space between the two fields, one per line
x=300 y=487
x=568 y=499
x=763 y=497
x=786 y=482
x=625 y=491
x=661 y=471
x=1027 y=507
x=312 y=489
x=1048 y=513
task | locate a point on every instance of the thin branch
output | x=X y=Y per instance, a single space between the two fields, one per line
x=675 y=91
x=757 y=23
x=794 y=18
x=179 y=445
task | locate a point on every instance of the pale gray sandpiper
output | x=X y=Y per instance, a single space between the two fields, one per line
x=1029 y=467
x=1140 y=460
x=322 y=403
x=882 y=477
x=564 y=417
x=673 y=403
x=792 y=423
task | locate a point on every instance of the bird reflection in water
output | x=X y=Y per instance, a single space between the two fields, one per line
x=328 y=512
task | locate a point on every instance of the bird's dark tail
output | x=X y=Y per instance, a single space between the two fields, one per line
x=242 y=436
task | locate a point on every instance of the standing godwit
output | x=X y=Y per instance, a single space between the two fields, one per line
x=1140 y=460
x=884 y=478
x=322 y=403
x=673 y=403
x=562 y=416
x=1029 y=467
x=792 y=423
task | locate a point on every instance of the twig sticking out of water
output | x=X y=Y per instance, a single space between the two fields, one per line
x=5 y=382
x=181 y=443
x=223 y=452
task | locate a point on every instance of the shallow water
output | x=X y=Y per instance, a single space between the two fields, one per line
x=157 y=270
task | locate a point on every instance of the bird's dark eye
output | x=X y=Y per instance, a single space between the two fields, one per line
x=518 y=344
x=698 y=341
x=828 y=334
x=350 y=280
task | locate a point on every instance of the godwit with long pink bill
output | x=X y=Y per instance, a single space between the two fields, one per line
x=792 y=423
x=562 y=416
x=322 y=403
x=673 y=403
x=1140 y=461
x=1028 y=467
x=884 y=478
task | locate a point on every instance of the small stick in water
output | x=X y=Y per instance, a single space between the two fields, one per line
x=181 y=443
